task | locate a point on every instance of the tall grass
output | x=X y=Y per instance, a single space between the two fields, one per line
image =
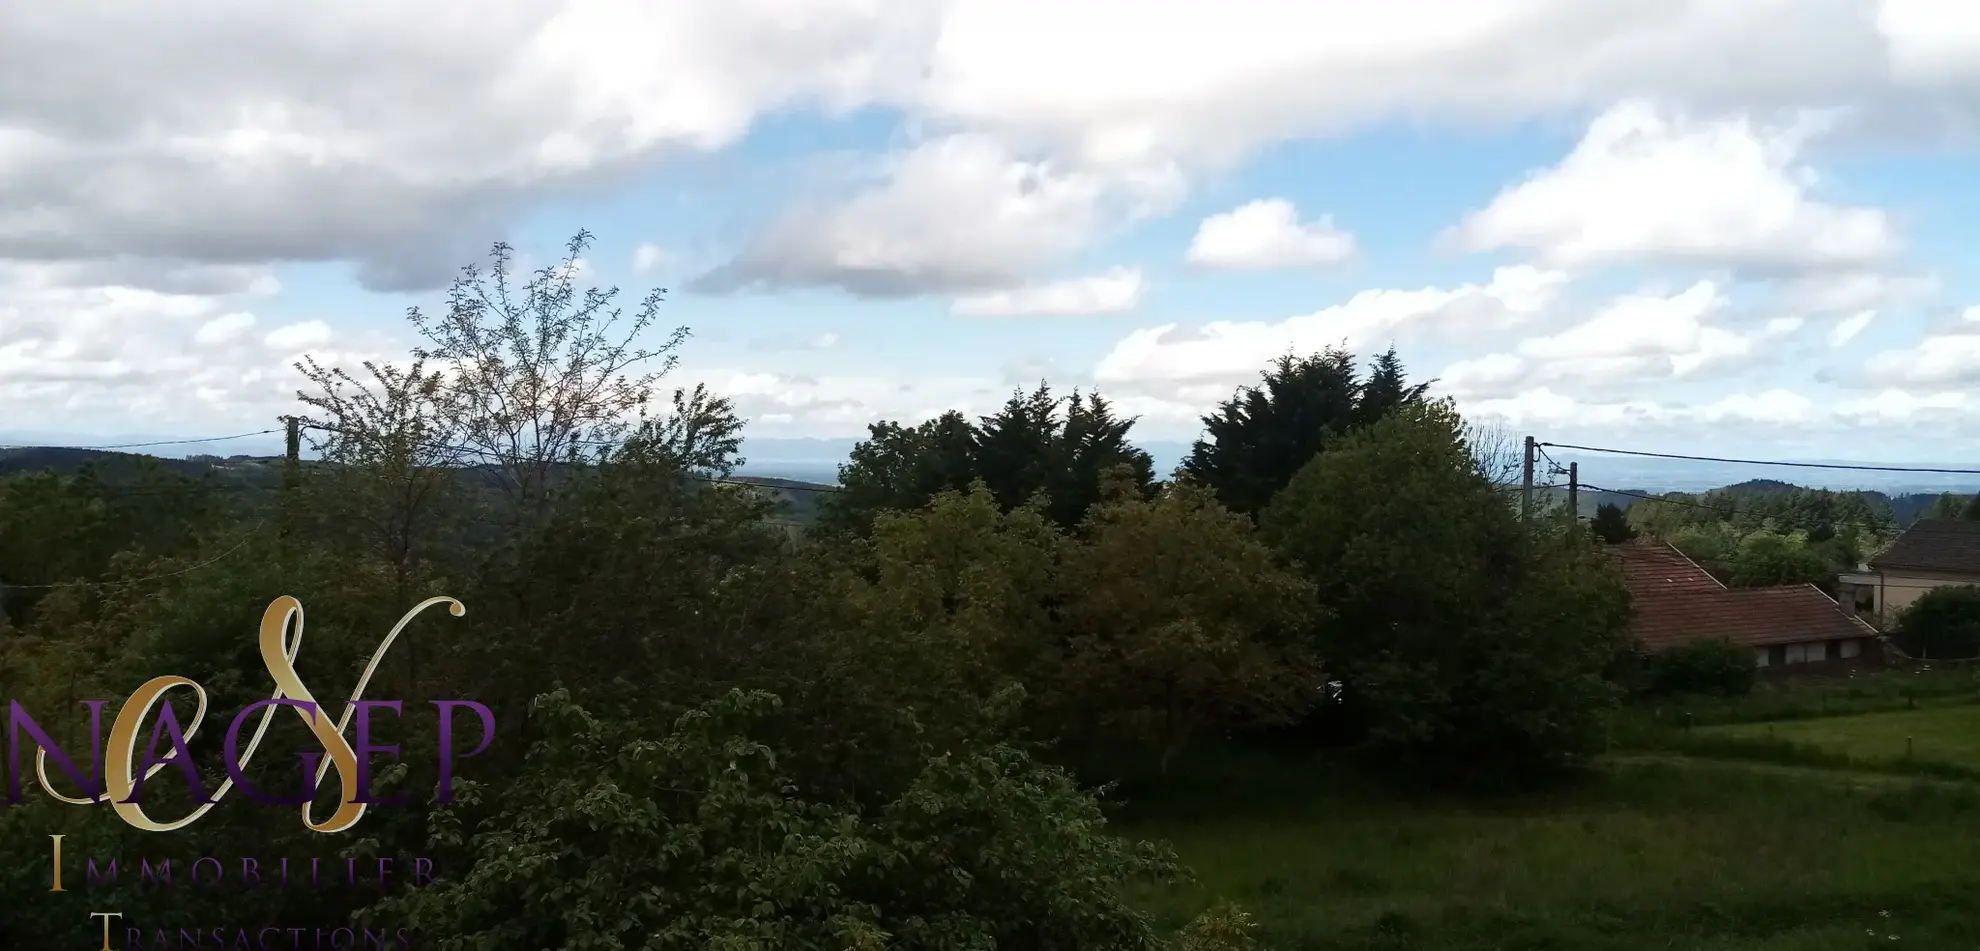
x=1869 y=692
x=1648 y=855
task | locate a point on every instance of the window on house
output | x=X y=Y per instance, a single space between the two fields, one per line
x=1807 y=652
x=1832 y=650
x=1762 y=656
x=1852 y=648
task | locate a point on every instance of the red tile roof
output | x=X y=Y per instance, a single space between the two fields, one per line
x=1651 y=566
x=1673 y=600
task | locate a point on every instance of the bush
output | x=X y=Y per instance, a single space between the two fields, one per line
x=1474 y=651
x=1943 y=624
x=1712 y=666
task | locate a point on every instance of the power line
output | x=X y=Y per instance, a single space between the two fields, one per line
x=161 y=442
x=1762 y=462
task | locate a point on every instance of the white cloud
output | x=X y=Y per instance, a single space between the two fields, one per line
x=121 y=116
x=1228 y=351
x=962 y=213
x=1847 y=292
x=1670 y=332
x=1267 y=233
x=1847 y=328
x=1951 y=358
x=1215 y=81
x=110 y=358
x=1113 y=292
x=220 y=132
x=298 y=337
x=1635 y=339
x=1644 y=185
x=648 y=258
x=1931 y=41
x=225 y=328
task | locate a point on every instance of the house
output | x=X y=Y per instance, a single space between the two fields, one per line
x=1788 y=627
x=1932 y=553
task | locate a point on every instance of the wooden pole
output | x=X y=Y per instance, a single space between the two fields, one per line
x=1526 y=484
x=291 y=472
x=1574 y=489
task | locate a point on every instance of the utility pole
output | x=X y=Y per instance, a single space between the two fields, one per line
x=291 y=472
x=1574 y=489
x=1526 y=484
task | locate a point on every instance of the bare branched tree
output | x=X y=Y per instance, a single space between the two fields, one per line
x=540 y=376
x=1498 y=452
x=386 y=440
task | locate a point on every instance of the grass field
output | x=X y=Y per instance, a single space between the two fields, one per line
x=1695 y=854
x=1948 y=735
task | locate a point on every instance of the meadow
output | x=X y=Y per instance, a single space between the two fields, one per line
x=1660 y=849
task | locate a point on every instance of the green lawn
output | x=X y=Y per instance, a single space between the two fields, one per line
x=1701 y=855
x=1941 y=734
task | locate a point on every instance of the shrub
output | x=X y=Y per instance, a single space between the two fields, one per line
x=1943 y=624
x=1712 y=666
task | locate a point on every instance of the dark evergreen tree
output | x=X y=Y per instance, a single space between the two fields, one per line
x=1264 y=434
x=1388 y=387
x=1037 y=444
x=1091 y=442
x=1611 y=525
x=1015 y=446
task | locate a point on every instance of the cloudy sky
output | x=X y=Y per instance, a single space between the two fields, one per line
x=1680 y=225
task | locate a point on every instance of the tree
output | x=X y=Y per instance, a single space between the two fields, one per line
x=1472 y=649
x=539 y=376
x=1774 y=558
x=1014 y=446
x=898 y=468
x=1943 y=624
x=389 y=487
x=693 y=838
x=1500 y=454
x=1971 y=512
x=1611 y=524
x=1178 y=617
x=1260 y=437
x=1093 y=447
x=1387 y=388
x=1036 y=445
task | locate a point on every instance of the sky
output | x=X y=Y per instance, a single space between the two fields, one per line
x=1715 y=227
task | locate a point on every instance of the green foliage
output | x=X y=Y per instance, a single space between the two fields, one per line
x=1708 y=666
x=1773 y=558
x=1475 y=650
x=1611 y=525
x=1038 y=446
x=1260 y=437
x=1179 y=618
x=692 y=838
x=1943 y=624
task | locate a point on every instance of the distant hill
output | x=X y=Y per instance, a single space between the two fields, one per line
x=116 y=467
x=797 y=499
x=1763 y=487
